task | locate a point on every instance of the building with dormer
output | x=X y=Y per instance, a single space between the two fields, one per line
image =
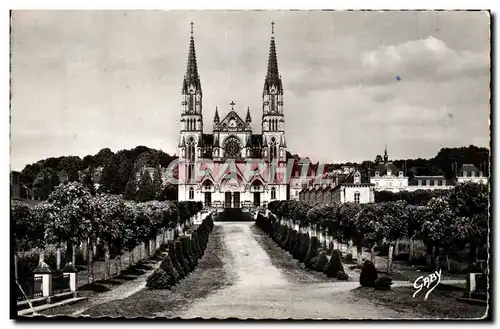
x=388 y=177
x=214 y=167
x=470 y=173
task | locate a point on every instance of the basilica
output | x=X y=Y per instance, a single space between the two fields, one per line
x=233 y=167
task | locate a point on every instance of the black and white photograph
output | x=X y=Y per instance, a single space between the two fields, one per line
x=250 y=164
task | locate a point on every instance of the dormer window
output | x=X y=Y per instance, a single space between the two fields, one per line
x=472 y=174
x=419 y=183
x=400 y=174
x=480 y=174
x=443 y=182
x=436 y=182
x=464 y=174
x=377 y=173
x=428 y=183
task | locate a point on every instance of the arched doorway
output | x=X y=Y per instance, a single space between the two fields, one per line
x=231 y=187
x=207 y=191
x=256 y=190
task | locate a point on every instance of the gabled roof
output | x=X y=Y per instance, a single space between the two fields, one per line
x=232 y=115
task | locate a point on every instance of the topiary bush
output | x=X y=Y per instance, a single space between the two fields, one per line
x=383 y=283
x=292 y=241
x=335 y=264
x=298 y=246
x=341 y=275
x=349 y=259
x=321 y=262
x=368 y=274
x=329 y=251
x=167 y=266
x=304 y=248
x=180 y=257
x=312 y=252
x=175 y=260
x=159 y=279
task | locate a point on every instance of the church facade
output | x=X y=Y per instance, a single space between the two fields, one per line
x=232 y=166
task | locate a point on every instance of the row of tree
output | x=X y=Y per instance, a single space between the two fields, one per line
x=73 y=216
x=445 y=224
x=111 y=170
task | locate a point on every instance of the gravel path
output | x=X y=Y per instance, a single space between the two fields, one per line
x=261 y=290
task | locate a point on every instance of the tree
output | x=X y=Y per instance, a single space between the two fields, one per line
x=76 y=211
x=145 y=191
x=131 y=188
x=393 y=224
x=471 y=204
x=438 y=221
x=110 y=226
x=157 y=181
x=45 y=182
x=366 y=227
x=416 y=216
x=378 y=159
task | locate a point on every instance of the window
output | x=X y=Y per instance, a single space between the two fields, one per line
x=472 y=174
x=377 y=173
x=464 y=174
x=436 y=182
x=419 y=183
x=356 y=197
x=428 y=183
x=443 y=183
x=273 y=193
x=191 y=193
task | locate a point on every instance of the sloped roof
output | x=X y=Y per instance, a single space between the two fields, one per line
x=383 y=168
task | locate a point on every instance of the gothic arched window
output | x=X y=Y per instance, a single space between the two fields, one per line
x=273 y=193
x=191 y=193
x=356 y=197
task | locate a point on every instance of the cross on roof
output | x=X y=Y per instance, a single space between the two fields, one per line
x=232 y=105
x=192 y=27
x=272 y=27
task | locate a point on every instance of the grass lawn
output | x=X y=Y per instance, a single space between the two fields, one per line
x=441 y=303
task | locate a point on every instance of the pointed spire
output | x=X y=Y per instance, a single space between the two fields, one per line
x=192 y=76
x=386 y=157
x=216 y=117
x=273 y=76
x=248 y=119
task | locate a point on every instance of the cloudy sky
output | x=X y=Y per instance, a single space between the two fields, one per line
x=353 y=81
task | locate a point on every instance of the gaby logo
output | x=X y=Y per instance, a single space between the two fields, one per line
x=426 y=281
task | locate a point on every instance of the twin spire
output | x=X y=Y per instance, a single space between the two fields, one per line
x=192 y=77
x=272 y=77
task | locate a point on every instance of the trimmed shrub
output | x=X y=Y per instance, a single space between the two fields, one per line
x=167 y=266
x=321 y=262
x=335 y=264
x=159 y=279
x=349 y=259
x=196 y=244
x=298 y=246
x=292 y=241
x=383 y=283
x=341 y=275
x=287 y=238
x=180 y=257
x=312 y=252
x=304 y=248
x=175 y=260
x=185 y=252
x=368 y=274
x=329 y=251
